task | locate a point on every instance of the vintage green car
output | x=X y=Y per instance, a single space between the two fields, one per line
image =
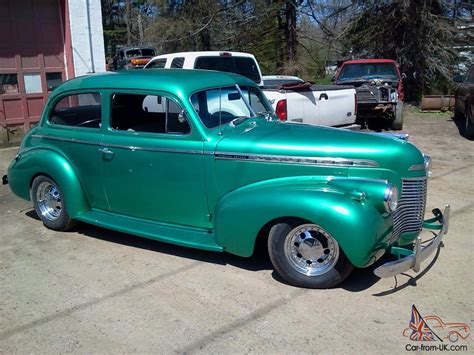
x=198 y=159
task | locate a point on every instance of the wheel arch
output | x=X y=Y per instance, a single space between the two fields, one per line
x=243 y=217
x=54 y=165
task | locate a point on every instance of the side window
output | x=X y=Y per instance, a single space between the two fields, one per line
x=177 y=62
x=254 y=100
x=78 y=110
x=148 y=113
x=157 y=64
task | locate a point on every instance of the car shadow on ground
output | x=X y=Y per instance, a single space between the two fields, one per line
x=359 y=280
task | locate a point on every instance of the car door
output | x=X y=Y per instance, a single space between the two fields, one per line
x=153 y=162
x=75 y=129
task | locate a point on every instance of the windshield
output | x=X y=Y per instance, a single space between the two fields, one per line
x=245 y=66
x=221 y=105
x=365 y=71
x=143 y=52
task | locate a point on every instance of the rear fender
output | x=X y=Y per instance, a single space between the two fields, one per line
x=31 y=163
x=358 y=226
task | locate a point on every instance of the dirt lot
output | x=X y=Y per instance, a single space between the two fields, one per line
x=93 y=290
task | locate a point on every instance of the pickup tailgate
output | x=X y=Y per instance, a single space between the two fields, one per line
x=329 y=105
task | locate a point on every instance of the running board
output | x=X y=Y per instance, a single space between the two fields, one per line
x=163 y=232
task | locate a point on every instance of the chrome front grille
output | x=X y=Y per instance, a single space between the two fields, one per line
x=409 y=215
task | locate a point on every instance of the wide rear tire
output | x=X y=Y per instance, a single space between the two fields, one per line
x=306 y=255
x=49 y=204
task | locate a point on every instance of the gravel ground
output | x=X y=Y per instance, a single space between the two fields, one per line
x=93 y=290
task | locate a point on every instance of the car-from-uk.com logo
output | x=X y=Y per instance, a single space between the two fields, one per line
x=432 y=329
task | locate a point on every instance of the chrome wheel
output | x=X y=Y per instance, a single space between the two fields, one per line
x=310 y=250
x=49 y=201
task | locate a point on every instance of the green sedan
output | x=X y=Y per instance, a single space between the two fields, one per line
x=198 y=158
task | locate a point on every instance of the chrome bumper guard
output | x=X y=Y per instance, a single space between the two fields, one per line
x=420 y=253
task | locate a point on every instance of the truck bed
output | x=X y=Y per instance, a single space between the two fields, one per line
x=327 y=105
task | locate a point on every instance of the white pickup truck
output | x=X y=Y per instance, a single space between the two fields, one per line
x=329 y=105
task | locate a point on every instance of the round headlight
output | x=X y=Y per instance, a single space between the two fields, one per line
x=390 y=198
x=427 y=160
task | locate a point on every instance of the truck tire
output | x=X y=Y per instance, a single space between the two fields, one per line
x=397 y=123
x=306 y=255
x=458 y=115
x=469 y=125
x=48 y=201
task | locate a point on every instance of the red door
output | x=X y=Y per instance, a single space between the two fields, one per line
x=31 y=62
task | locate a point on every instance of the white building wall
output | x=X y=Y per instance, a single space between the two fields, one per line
x=87 y=36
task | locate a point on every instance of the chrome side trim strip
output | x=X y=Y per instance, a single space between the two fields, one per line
x=288 y=159
x=417 y=167
x=150 y=149
x=61 y=139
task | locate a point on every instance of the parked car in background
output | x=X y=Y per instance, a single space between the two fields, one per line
x=132 y=58
x=317 y=105
x=464 y=103
x=196 y=158
x=379 y=86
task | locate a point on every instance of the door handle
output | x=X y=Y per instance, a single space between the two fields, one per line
x=106 y=152
x=323 y=96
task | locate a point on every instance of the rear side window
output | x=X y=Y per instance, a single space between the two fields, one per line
x=156 y=64
x=177 y=62
x=239 y=65
x=148 y=113
x=79 y=110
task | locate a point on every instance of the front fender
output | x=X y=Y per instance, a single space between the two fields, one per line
x=360 y=229
x=34 y=162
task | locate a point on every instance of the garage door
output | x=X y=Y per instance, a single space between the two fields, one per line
x=31 y=62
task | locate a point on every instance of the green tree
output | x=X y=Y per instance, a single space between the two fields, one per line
x=415 y=33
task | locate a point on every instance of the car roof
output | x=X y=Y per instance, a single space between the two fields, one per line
x=135 y=47
x=203 y=54
x=361 y=61
x=180 y=82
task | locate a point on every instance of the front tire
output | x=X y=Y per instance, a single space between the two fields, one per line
x=306 y=255
x=458 y=115
x=469 y=125
x=397 y=123
x=48 y=201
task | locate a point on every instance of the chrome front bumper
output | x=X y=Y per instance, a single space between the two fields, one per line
x=420 y=252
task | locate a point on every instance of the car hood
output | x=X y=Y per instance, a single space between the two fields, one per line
x=261 y=140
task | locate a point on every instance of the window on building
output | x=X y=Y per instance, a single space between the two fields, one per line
x=32 y=83
x=9 y=84
x=53 y=80
x=80 y=110
x=148 y=113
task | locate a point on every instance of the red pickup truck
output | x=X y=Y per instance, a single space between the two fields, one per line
x=379 y=88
